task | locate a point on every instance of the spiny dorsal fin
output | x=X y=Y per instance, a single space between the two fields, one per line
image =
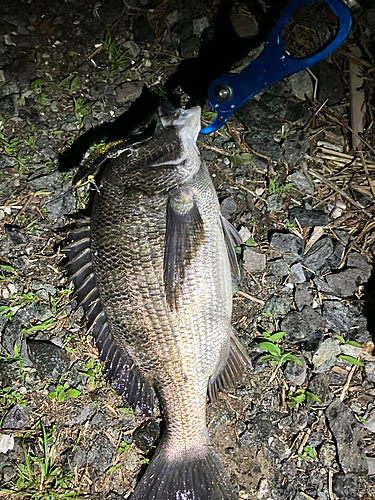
x=232 y=240
x=120 y=371
x=233 y=371
x=184 y=235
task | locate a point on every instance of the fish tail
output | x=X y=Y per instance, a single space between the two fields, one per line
x=186 y=478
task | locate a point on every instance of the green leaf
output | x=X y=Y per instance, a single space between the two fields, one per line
x=238 y=249
x=239 y=159
x=309 y=451
x=73 y=393
x=353 y=343
x=271 y=186
x=271 y=348
x=311 y=397
x=288 y=185
x=128 y=411
x=349 y=359
x=61 y=396
x=300 y=398
x=291 y=357
x=341 y=339
x=52 y=395
x=263 y=358
x=8 y=268
x=249 y=242
x=276 y=336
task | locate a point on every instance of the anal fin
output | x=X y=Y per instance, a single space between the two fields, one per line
x=233 y=371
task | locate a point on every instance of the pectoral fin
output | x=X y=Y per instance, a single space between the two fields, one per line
x=184 y=235
x=232 y=240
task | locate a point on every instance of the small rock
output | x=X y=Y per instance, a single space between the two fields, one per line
x=279 y=267
x=357 y=260
x=346 y=283
x=261 y=429
x=244 y=233
x=350 y=350
x=371 y=465
x=263 y=143
x=79 y=458
x=132 y=48
x=370 y=424
x=200 y=24
x=42 y=312
x=262 y=490
x=326 y=356
x=300 y=85
x=6 y=443
x=228 y=208
x=145 y=436
x=315 y=439
x=10 y=105
x=16 y=236
x=277 y=306
x=189 y=48
x=370 y=372
x=301 y=182
x=275 y=449
x=345 y=486
x=101 y=454
x=331 y=83
x=254 y=260
x=320 y=387
x=221 y=414
x=61 y=205
x=295 y=373
x=327 y=453
x=302 y=296
x=288 y=244
x=342 y=318
x=301 y=326
x=79 y=413
x=128 y=91
x=308 y=218
x=343 y=236
x=348 y=435
x=316 y=257
x=295 y=146
x=50 y=361
x=274 y=202
x=297 y=274
x=16 y=418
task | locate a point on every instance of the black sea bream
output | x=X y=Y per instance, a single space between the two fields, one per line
x=153 y=272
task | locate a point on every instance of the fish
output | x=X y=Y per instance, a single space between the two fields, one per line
x=152 y=269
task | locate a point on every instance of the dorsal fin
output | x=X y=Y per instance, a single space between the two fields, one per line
x=184 y=235
x=121 y=371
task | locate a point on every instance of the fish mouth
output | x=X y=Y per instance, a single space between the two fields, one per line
x=186 y=121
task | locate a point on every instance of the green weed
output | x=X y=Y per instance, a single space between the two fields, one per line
x=294 y=398
x=275 y=356
x=9 y=397
x=80 y=108
x=344 y=357
x=92 y=372
x=308 y=451
x=123 y=447
x=281 y=190
x=40 y=477
x=116 y=55
x=63 y=391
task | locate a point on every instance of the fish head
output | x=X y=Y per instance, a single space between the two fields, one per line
x=186 y=121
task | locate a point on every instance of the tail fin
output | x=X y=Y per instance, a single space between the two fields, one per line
x=190 y=478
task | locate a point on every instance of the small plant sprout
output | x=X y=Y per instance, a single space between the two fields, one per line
x=248 y=243
x=116 y=55
x=80 y=108
x=9 y=397
x=308 y=452
x=91 y=372
x=123 y=447
x=281 y=190
x=62 y=391
x=240 y=159
x=294 y=398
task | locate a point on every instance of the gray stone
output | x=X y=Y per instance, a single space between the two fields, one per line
x=61 y=205
x=132 y=48
x=189 y=48
x=16 y=418
x=274 y=202
x=128 y=91
x=46 y=147
x=347 y=319
x=260 y=430
x=302 y=326
x=145 y=436
x=228 y=208
x=346 y=283
x=276 y=449
x=288 y=244
x=331 y=83
x=42 y=312
x=370 y=372
x=12 y=335
x=264 y=144
x=79 y=458
x=345 y=486
x=10 y=105
x=320 y=387
x=348 y=434
x=301 y=182
x=295 y=146
x=279 y=267
x=101 y=454
x=297 y=274
x=357 y=260
x=371 y=465
x=302 y=296
x=343 y=236
x=221 y=414
x=308 y=218
x=316 y=257
x=326 y=356
x=277 y=306
x=295 y=373
x=79 y=413
x=16 y=236
x=50 y=361
x=8 y=373
x=75 y=377
x=370 y=424
x=258 y=117
x=254 y=260
x=315 y=439
x=51 y=181
x=300 y=85
x=327 y=453
x=200 y=24
x=335 y=259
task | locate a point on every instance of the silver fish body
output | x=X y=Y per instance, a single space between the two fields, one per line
x=161 y=257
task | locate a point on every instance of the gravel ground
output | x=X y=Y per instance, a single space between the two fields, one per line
x=290 y=180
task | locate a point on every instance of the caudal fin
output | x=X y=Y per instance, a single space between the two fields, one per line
x=190 y=478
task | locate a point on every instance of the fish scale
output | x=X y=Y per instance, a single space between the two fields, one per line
x=160 y=301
